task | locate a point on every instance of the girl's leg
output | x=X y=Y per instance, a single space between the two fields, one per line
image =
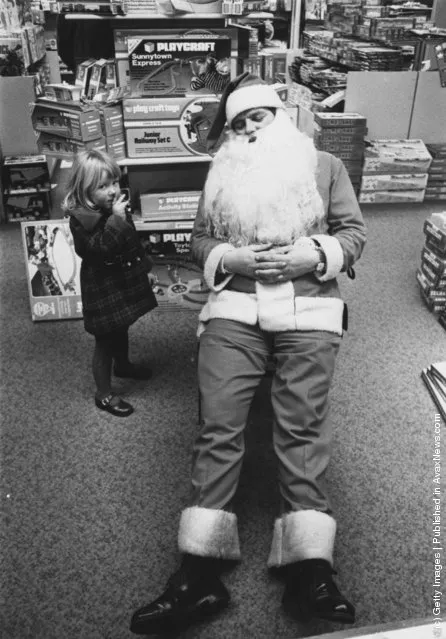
x=102 y=363
x=121 y=348
x=123 y=366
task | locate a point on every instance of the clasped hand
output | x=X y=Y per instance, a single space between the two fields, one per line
x=120 y=206
x=271 y=264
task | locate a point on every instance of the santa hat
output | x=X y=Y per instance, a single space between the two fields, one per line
x=245 y=92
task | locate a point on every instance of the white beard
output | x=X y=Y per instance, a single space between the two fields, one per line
x=264 y=191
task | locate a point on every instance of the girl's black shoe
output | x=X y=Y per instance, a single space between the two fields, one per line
x=114 y=405
x=310 y=592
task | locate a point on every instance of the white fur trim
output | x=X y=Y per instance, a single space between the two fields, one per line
x=319 y=314
x=211 y=266
x=276 y=310
x=251 y=97
x=241 y=307
x=209 y=533
x=275 y=306
x=334 y=254
x=304 y=534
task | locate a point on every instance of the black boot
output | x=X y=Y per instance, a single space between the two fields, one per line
x=310 y=592
x=193 y=593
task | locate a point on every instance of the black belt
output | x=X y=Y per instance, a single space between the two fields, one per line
x=241 y=284
x=119 y=261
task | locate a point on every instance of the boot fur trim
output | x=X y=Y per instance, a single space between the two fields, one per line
x=303 y=534
x=209 y=533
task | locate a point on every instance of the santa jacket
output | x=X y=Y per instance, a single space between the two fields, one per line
x=114 y=284
x=310 y=302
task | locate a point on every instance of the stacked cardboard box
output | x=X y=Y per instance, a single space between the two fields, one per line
x=26 y=188
x=431 y=275
x=67 y=127
x=436 y=182
x=112 y=126
x=394 y=171
x=96 y=78
x=168 y=210
x=168 y=127
x=342 y=134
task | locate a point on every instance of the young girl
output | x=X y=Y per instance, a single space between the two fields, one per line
x=115 y=285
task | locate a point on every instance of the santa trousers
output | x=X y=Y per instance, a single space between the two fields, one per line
x=232 y=362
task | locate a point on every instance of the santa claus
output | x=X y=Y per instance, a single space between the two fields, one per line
x=277 y=223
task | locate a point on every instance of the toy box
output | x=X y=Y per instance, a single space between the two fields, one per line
x=179 y=282
x=96 y=84
x=56 y=146
x=168 y=65
x=253 y=64
x=170 y=206
x=52 y=269
x=30 y=206
x=368 y=197
x=437 y=150
x=396 y=156
x=167 y=127
x=435 y=234
x=62 y=92
x=77 y=122
x=111 y=118
x=436 y=263
x=394 y=182
x=25 y=174
x=146 y=224
x=274 y=66
x=83 y=74
x=340 y=120
x=116 y=146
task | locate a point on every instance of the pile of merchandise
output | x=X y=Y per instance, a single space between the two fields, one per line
x=342 y=134
x=436 y=181
x=431 y=275
x=394 y=171
x=376 y=19
x=317 y=74
x=27 y=188
x=361 y=55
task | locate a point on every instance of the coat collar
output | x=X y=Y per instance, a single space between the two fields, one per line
x=88 y=217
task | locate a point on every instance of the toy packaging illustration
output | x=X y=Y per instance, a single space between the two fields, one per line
x=160 y=65
x=25 y=174
x=52 y=269
x=179 y=281
x=168 y=127
x=169 y=206
x=27 y=206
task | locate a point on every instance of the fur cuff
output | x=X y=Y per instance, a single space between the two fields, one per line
x=334 y=254
x=209 y=533
x=303 y=534
x=211 y=266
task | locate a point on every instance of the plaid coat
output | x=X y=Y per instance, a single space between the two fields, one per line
x=114 y=284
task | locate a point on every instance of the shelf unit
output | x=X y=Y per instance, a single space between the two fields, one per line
x=148 y=17
x=155 y=161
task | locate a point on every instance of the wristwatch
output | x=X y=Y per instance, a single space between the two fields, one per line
x=322 y=264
